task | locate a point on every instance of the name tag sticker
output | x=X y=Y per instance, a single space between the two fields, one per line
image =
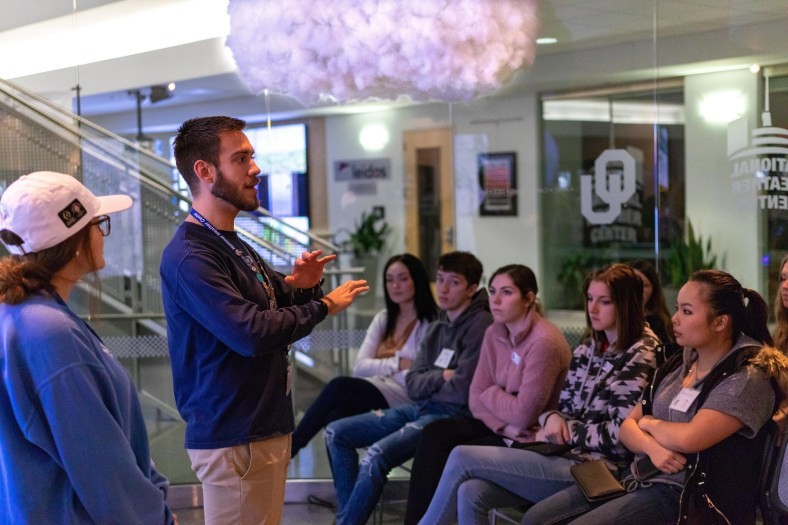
x=444 y=358
x=684 y=399
x=515 y=358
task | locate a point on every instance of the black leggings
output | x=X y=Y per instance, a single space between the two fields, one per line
x=342 y=397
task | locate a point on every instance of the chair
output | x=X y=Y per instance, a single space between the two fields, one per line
x=395 y=492
x=774 y=482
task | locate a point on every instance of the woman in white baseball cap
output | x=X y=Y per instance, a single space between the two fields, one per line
x=74 y=443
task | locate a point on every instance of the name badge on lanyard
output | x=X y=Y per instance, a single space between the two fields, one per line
x=515 y=358
x=684 y=399
x=289 y=383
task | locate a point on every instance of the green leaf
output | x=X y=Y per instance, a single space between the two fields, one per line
x=368 y=238
x=689 y=255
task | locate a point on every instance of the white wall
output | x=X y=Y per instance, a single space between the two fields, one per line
x=509 y=124
x=714 y=209
x=344 y=206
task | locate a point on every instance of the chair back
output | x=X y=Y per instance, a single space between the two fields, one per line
x=774 y=478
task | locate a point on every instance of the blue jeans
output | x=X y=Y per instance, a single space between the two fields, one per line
x=392 y=436
x=342 y=397
x=558 y=509
x=477 y=479
x=654 y=505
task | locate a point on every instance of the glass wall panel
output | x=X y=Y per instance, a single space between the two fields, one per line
x=678 y=157
x=607 y=163
x=773 y=200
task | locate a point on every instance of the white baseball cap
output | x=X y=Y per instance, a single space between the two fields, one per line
x=46 y=208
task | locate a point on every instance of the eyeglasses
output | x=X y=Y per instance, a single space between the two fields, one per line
x=103 y=223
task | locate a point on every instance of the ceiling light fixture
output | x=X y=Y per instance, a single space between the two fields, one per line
x=373 y=137
x=722 y=107
x=357 y=49
x=159 y=92
x=546 y=41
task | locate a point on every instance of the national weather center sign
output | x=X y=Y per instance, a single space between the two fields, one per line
x=759 y=163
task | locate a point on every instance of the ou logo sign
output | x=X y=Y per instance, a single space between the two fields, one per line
x=611 y=189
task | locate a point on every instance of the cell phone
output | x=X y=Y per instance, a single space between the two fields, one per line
x=645 y=468
x=544 y=448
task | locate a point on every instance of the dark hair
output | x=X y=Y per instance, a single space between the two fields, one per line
x=724 y=295
x=198 y=139
x=24 y=275
x=523 y=278
x=781 y=314
x=656 y=305
x=463 y=263
x=626 y=291
x=423 y=301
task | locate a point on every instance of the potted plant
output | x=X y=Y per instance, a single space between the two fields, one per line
x=367 y=241
x=572 y=274
x=688 y=255
x=368 y=238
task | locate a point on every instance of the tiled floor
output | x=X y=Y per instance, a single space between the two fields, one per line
x=300 y=514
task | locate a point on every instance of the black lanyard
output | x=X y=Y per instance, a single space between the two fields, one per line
x=251 y=262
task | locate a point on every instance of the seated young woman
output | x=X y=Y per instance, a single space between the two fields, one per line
x=388 y=350
x=654 y=307
x=606 y=376
x=522 y=366
x=697 y=434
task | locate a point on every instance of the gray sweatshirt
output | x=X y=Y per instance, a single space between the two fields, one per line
x=464 y=336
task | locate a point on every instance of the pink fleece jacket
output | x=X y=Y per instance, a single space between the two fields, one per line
x=513 y=384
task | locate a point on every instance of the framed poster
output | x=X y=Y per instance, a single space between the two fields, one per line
x=498 y=184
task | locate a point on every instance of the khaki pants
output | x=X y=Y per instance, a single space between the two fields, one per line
x=244 y=484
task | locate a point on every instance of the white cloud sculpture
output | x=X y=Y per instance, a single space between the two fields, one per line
x=345 y=50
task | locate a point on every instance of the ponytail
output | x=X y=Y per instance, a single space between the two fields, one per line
x=746 y=308
x=24 y=275
x=21 y=278
x=756 y=315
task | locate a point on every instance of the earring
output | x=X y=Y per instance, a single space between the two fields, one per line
x=76 y=254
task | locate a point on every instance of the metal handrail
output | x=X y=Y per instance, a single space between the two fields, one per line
x=82 y=121
x=140 y=172
x=315 y=238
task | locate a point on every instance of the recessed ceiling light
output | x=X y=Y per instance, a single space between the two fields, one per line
x=546 y=40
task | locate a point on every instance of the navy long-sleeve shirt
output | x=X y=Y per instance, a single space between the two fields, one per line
x=228 y=349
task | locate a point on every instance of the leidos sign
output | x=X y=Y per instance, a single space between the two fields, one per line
x=759 y=164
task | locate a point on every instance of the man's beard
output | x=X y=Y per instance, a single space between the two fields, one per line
x=233 y=195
